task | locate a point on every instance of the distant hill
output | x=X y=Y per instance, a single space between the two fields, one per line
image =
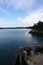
x=15 y=28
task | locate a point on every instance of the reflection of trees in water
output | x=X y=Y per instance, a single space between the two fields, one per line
x=38 y=39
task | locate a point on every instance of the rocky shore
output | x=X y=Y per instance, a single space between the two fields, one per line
x=34 y=57
x=25 y=56
x=37 y=28
x=35 y=31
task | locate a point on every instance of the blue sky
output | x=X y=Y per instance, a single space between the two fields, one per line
x=14 y=13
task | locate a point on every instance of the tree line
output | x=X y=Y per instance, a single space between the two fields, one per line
x=38 y=26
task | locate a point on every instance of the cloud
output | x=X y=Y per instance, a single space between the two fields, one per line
x=6 y=23
x=4 y=11
x=28 y=20
x=18 y=4
x=32 y=18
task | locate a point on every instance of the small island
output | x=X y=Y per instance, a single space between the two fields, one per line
x=37 y=28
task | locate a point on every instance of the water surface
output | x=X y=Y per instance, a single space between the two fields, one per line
x=12 y=39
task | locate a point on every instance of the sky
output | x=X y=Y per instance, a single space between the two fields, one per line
x=19 y=13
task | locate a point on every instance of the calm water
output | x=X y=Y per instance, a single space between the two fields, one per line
x=12 y=39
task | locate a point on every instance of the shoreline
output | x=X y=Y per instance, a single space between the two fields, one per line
x=27 y=56
x=35 y=31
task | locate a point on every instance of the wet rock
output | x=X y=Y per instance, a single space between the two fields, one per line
x=39 y=49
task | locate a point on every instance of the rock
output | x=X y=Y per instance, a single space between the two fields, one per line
x=32 y=53
x=39 y=49
x=36 y=32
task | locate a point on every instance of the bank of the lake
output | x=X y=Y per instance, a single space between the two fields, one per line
x=35 y=31
x=37 y=28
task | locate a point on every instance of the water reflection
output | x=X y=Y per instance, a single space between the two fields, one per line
x=11 y=40
x=38 y=38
